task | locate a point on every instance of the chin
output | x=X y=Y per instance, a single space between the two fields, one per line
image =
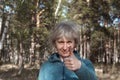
x=65 y=55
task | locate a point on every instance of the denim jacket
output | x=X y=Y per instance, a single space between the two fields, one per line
x=54 y=69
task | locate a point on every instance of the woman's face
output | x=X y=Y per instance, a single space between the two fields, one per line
x=64 y=46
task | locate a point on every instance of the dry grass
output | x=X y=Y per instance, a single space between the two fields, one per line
x=8 y=72
x=108 y=72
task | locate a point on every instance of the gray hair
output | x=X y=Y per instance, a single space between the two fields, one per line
x=67 y=29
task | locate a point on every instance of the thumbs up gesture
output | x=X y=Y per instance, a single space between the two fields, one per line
x=71 y=62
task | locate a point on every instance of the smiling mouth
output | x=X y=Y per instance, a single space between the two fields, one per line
x=66 y=53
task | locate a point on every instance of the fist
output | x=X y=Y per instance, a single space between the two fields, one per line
x=72 y=63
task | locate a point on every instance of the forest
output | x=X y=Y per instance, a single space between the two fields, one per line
x=25 y=26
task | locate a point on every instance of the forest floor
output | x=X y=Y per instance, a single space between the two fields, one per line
x=8 y=72
x=108 y=72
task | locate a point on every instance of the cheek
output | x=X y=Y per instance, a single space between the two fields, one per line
x=73 y=45
x=57 y=46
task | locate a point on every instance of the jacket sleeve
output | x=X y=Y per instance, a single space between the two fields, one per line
x=46 y=72
x=41 y=75
x=86 y=72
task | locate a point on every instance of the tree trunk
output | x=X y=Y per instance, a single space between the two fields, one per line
x=81 y=43
x=38 y=13
x=1 y=23
x=57 y=9
x=32 y=50
x=88 y=49
x=21 y=64
x=115 y=47
x=85 y=47
x=1 y=15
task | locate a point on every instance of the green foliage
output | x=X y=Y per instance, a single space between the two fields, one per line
x=47 y=18
x=115 y=6
x=87 y=14
x=111 y=32
x=41 y=34
x=24 y=11
x=18 y=31
x=41 y=38
x=21 y=34
x=98 y=40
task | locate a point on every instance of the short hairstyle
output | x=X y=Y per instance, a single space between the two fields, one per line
x=67 y=29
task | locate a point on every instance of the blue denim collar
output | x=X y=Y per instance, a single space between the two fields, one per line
x=54 y=58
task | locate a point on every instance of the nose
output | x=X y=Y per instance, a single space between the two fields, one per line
x=65 y=46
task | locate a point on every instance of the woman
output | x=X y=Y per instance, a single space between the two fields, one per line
x=66 y=64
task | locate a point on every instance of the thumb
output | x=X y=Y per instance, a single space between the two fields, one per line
x=71 y=51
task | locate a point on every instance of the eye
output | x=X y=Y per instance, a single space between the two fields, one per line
x=60 y=42
x=69 y=42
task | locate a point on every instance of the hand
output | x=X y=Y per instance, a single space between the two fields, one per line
x=71 y=62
